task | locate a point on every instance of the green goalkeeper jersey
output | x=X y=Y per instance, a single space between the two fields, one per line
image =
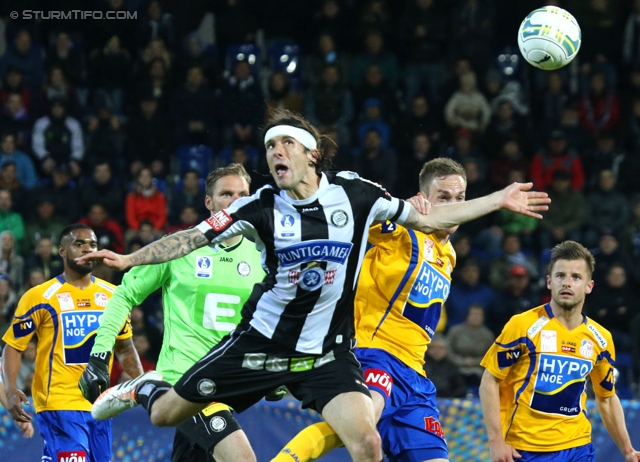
x=202 y=296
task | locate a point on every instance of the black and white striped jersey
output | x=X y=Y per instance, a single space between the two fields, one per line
x=312 y=250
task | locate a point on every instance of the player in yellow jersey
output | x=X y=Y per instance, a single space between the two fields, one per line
x=533 y=389
x=404 y=281
x=64 y=313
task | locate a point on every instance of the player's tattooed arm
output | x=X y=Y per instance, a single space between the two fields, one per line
x=169 y=248
x=128 y=357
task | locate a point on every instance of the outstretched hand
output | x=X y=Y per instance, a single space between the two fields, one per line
x=517 y=198
x=109 y=258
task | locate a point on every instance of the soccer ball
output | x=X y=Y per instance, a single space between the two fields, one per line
x=549 y=38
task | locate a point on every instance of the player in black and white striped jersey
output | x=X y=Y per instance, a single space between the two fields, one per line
x=298 y=324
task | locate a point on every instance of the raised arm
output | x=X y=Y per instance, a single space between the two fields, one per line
x=515 y=197
x=166 y=249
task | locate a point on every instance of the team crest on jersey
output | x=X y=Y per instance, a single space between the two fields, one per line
x=586 y=349
x=203 y=266
x=339 y=218
x=66 y=301
x=311 y=278
x=244 y=269
x=78 y=334
x=219 y=221
x=101 y=299
x=549 y=341
x=287 y=221
x=427 y=249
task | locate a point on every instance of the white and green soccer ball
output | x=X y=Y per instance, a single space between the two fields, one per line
x=549 y=38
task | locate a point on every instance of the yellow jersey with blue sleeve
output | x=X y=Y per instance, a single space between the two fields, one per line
x=403 y=284
x=544 y=367
x=64 y=318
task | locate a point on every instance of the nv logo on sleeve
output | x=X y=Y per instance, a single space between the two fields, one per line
x=24 y=327
x=78 y=334
x=559 y=384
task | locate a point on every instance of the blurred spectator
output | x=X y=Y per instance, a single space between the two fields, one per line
x=195 y=55
x=11 y=263
x=155 y=50
x=103 y=188
x=472 y=25
x=605 y=156
x=10 y=220
x=630 y=239
x=331 y=18
x=236 y=22
x=189 y=192
x=515 y=223
x=27 y=367
x=505 y=125
x=25 y=169
x=555 y=98
x=374 y=87
x=614 y=305
x=444 y=374
x=509 y=158
x=631 y=37
x=599 y=106
x=149 y=140
x=468 y=343
x=578 y=138
x=8 y=299
x=187 y=218
x=608 y=209
x=145 y=202
x=468 y=108
x=57 y=140
x=195 y=110
x=424 y=34
x=325 y=54
x=373 y=118
x=15 y=119
x=35 y=277
x=44 y=224
x=374 y=52
x=243 y=106
x=156 y=84
x=68 y=58
x=104 y=138
x=519 y=295
x=109 y=72
x=329 y=102
x=145 y=234
x=157 y=24
x=140 y=322
x=557 y=157
x=467 y=290
x=567 y=212
x=512 y=256
x=376 y=163
x=9 y=181
x=45 y=257
x=27 y=57
x=420 y=118
x=58 y=88
x=464 y=148
x=108 y=232
x=632 y=129
x=280 y=95
x=63 y=193
x=14 y=83
x=599 y=18
x=609 y=253
x=410 y=163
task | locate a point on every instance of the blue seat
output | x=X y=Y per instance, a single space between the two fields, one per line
x=286 y=57
x=195 y=157
x=243 y=52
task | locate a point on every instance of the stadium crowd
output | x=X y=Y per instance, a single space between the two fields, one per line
x=116 y=123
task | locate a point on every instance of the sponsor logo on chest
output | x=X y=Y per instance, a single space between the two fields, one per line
x=548 y=341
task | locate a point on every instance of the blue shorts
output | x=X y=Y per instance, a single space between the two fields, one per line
x=66 y=433
x=584 y=453
x=409 y=425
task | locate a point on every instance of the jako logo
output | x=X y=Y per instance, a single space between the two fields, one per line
x=379 y=379
x=72 y=456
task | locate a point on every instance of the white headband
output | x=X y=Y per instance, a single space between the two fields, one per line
x=303 y=136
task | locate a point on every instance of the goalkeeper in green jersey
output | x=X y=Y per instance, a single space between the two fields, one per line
x=202 y=295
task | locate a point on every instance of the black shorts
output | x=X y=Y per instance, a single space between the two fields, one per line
x=197 y=437
x=246 y=365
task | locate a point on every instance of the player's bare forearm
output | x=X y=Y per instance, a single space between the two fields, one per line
x=128 y=357
x=612 y=416
x=11 y=360
x=169 y=248
x=490 y=404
